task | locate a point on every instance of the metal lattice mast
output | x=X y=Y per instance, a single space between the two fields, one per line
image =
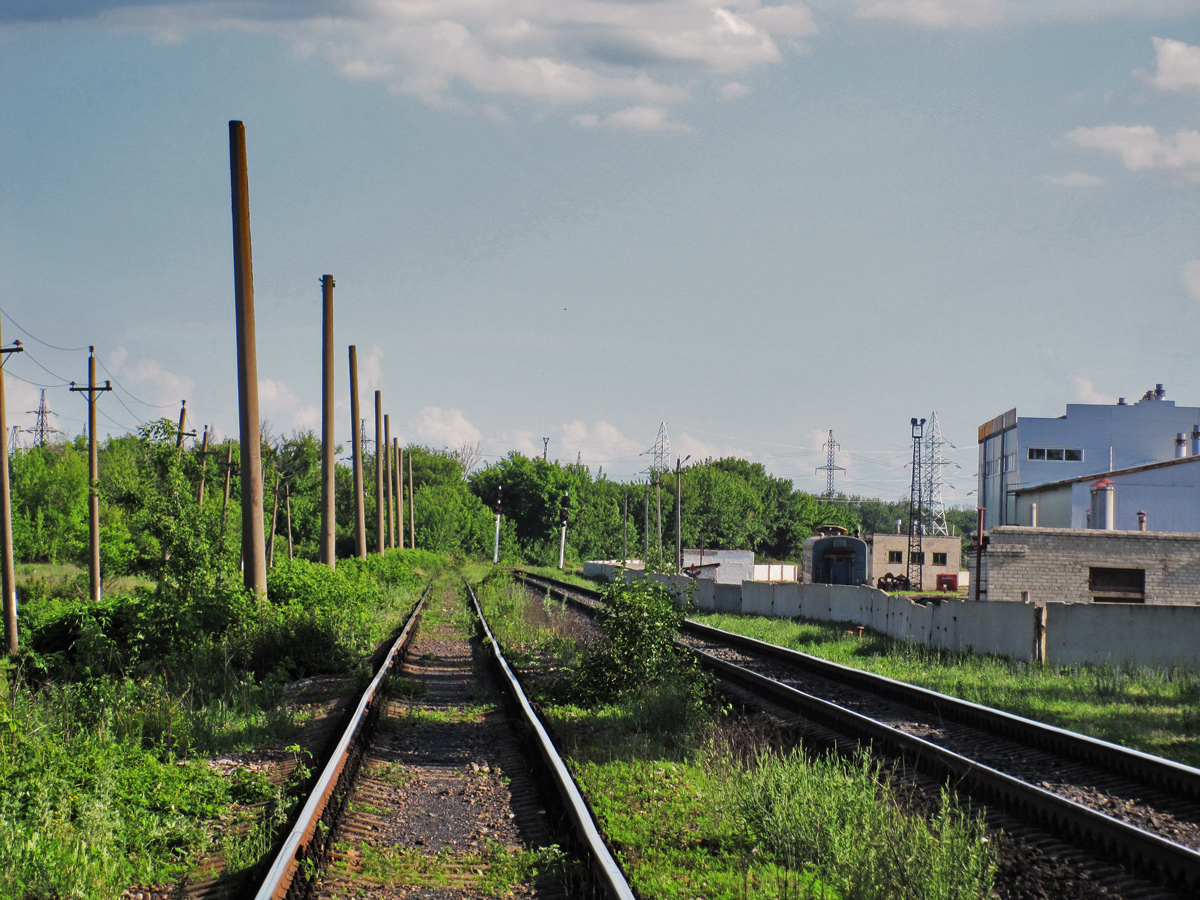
x=14 y=438
x=42 y=429
x=831 y=447
x=662 y=449
x=916 y=518
x=934 y=462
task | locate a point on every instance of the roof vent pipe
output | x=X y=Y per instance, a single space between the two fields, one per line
x=1181 y=439
x=1121 y=401
x=898 y=521
x=1104 y=506
x=1159 y=393
x=1195 y=440
x=1033 y=515
x=1141 y=520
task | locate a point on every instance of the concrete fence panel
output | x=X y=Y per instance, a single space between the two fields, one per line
x=1122 y=634
x=757 y=597
x=728 y=597
x=787 y=600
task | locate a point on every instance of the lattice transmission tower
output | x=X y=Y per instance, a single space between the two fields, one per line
x=916 y=506
x=42 y=429
x=662 y=449
x=934 y=463
x=830 y=447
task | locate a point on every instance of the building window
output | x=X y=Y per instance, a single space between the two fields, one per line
x=1117 y=585
x=918 y=558
x=939 y=559
x=895 y=556
x=1010 y=462
x=1056 y=454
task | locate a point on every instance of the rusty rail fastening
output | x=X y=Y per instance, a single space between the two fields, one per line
x=607 y=873
x=1171 y=863
x=309 y=836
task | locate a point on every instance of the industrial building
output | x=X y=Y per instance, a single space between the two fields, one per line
x=1090 y=440
x=887 y=554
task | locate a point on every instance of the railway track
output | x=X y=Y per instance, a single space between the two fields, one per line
x=1134 y=811
x=430 y=786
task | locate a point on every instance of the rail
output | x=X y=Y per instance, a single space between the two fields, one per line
x=604 y=867
x=306 y=838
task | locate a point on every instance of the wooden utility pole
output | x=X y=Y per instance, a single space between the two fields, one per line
x=182 y=434
x=380 y=451
x=254 y=551
x=412 y=507
x=92 y=390
x=8 y=572
x=203 y=467
x=274 y=519
x=287 y=499
x=360 y=516
x=328 y=551
x=387 y=474
x=228 y=477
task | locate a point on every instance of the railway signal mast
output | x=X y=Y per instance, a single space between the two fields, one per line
x=496 y=550
x=831 y=447
x=564 y=513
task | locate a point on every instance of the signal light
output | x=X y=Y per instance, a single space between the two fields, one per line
x=565 y=509
x=499 y=494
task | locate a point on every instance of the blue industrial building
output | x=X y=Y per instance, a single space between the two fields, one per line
x=1018 y=453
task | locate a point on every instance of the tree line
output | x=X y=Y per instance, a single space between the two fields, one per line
x=154 y=523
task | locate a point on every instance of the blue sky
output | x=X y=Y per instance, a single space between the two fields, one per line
x=576 y=219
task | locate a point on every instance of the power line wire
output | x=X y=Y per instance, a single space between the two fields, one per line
x=36 y=338
x=33 y=360
x=34 y=383
x=131 y=394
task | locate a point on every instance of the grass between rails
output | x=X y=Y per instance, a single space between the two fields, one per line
x=697 y=808
x=1153 y=710
x=102 y=724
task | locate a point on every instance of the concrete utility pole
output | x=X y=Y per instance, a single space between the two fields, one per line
x=360 y=516
x=658 y=508
x=499 y=508
x=228 y=476
x=93 y=475
x=287 y=498
x=646 y=523
x=412 y=507
x=398 y=480
x=387 y=472
x=8 y=572
x=254 y=551
x=274 y=520
x=380 y=446
x=565 y=513
x=678 y=515
x=328 y=484
x=625 y=531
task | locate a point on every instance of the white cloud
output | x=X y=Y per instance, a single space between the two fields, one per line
x=1178 y=66
x=151 y=381
x=733 y=90
x=1142 y=147
x=1076 y=180
x=935 y=12
x=636 y=118
x=280 y=407
x=457 y=54
x=439 y=427
x=1191 y=277
x=1085 y=392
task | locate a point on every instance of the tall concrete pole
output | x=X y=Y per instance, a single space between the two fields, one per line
x=328 y=552
x=399 y=493
x=92 y=390
x=8 y=572
x=380 y=455
x=287 y=497
x=254 y=550
x=203 y=467
x=678 y=517
x=412 y=507
x=274 y=521
x=360 y=516
x=387 y=474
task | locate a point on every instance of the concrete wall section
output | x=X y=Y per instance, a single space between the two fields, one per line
x=1122 y=634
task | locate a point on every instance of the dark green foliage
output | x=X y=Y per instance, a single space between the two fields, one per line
x=640 y=622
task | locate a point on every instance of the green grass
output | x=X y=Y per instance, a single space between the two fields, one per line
x=493 y=871
x=1153 y=710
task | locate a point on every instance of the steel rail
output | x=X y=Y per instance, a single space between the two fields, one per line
x=1171 y=862
x=611 y=878
x=1168 y=774
x=297 y=846
x=1159 y=857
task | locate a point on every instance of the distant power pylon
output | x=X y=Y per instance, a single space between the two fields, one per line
x=42 y=429
x=831 y=447
x=14 y=438
x=662 y=449
x=934 y=462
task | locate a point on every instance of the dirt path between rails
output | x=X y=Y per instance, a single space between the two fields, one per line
x=443 y=808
